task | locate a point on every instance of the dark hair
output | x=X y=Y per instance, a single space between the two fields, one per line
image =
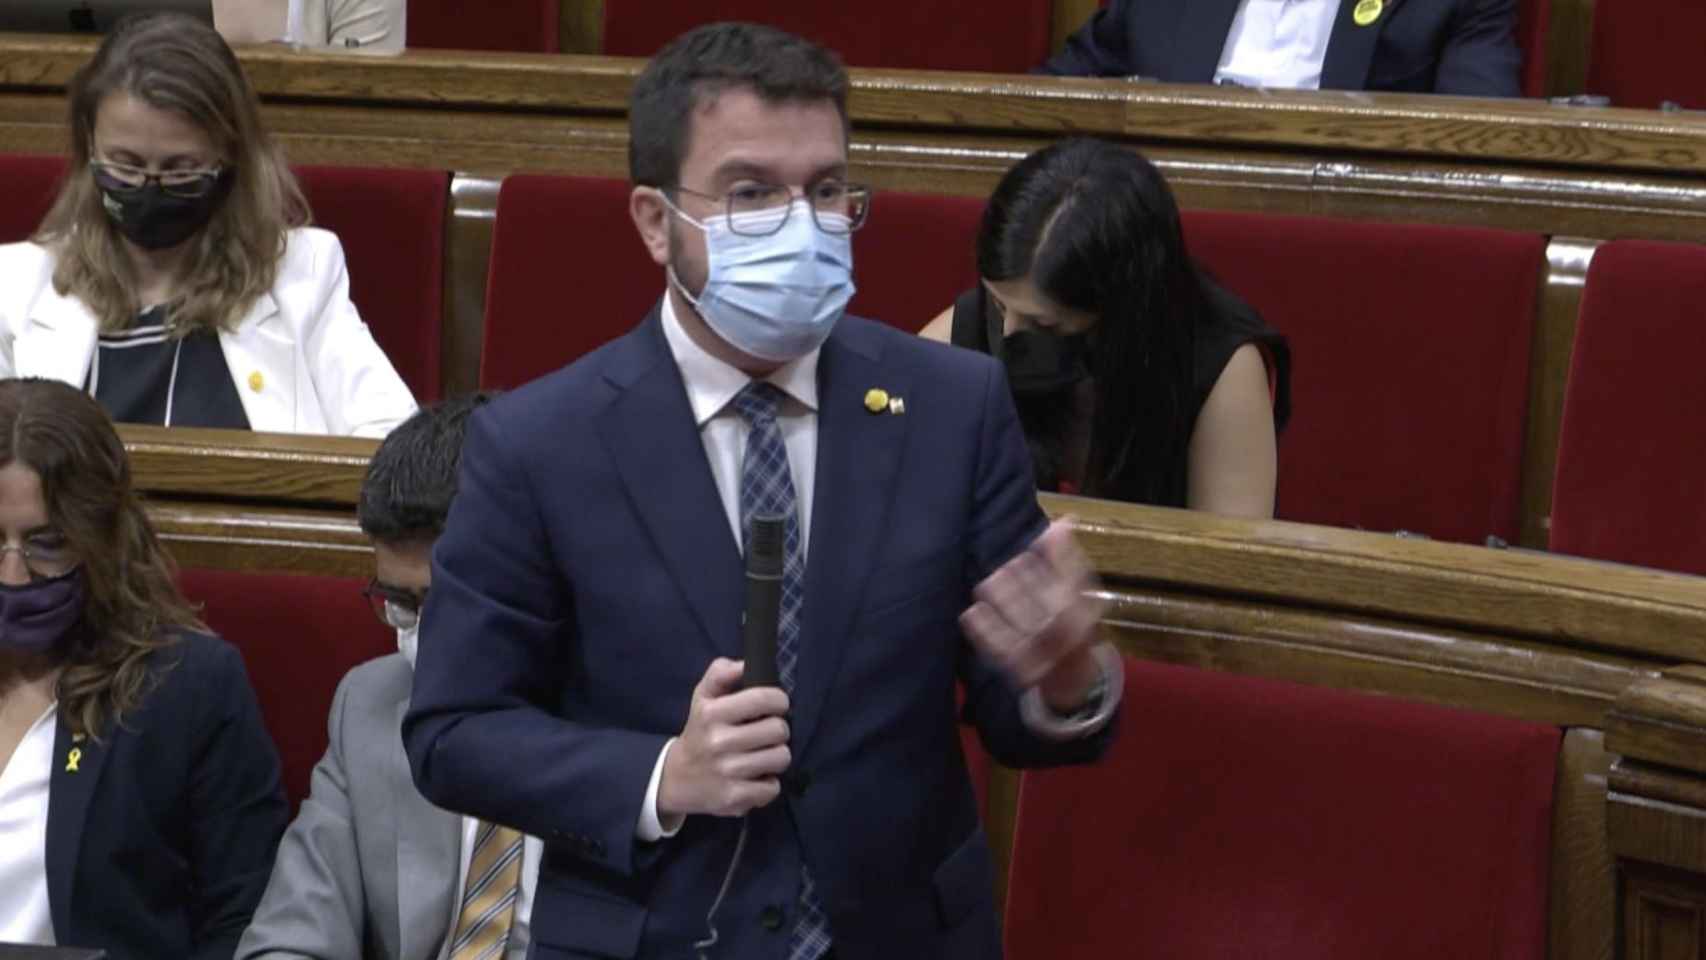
x=134 y=606
x=1095 y=228
x=702 y=63
x=411 y=479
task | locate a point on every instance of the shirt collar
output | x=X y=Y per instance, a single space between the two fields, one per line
x=711 y=383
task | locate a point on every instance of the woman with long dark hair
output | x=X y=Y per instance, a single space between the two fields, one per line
x=1137 y=378
x=140 y=799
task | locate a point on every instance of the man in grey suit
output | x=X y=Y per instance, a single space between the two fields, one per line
x=369 y=868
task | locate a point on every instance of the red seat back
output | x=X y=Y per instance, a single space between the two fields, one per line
x=1533 y=32
x=1645 y=52
x=30 y=183
x=298 y=635
x=941 y=35
x=1241 y=817
x=521 y=26
x=1630 y=461
x=568 y=273
x=914 y=256
x=391 y=223
x=1412 y=356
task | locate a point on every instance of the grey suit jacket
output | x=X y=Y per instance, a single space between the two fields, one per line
x=368 y=868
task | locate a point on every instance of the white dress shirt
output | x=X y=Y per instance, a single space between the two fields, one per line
x=521 y=933
x=1278 y=43
x=24 y=914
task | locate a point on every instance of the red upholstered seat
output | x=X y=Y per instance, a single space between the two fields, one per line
x=913 y=256
x=391 y=223
x=1411 y=347
x=1533 y=30
x=28 y=184
x=1645 y=52
x=1630 y=463
x=1241 y=817
x=524 y=26
x=939 y=35
x=568 y=273
x=298 y=635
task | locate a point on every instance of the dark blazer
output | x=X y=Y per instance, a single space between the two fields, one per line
x=588 y=576
x=1464 y=47
x=160 y=838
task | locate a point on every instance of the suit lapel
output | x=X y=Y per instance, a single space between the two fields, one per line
x=77 y=765
x=59 y=341
x=858 y=453
x=1350 y=49
x=261 y=355
x=1203 y=27
x=655 y=444
x=428 y=846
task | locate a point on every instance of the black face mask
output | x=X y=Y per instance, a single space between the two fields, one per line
x=153 y=219
x=1039 y=362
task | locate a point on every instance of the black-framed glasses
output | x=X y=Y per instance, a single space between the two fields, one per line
x=761 y=209
x=396 y=608
x=123 y=178
x=45 y=555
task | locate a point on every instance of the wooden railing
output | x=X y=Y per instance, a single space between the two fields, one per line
x=1612 y=655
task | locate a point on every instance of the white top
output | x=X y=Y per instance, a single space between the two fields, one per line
x=1278 y=43
x=24 y=914
x=521 y=933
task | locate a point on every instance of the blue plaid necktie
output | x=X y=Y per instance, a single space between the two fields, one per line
x=767 y=488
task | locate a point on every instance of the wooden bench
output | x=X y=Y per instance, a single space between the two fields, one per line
x=1609 y=655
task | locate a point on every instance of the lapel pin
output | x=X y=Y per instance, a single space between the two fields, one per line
x=876 y=400
x=256 y=381
x=72 y=759
x=77 y=738
x=1367 y=11
x=897 y=406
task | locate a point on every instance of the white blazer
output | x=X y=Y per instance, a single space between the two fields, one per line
x=302 y=359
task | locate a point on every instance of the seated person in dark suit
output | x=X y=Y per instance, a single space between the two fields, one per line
x=1136 y=377
x=140 y=800
x=1464 y=47
x=370 y=869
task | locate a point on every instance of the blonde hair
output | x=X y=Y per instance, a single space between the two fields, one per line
x=177 y=63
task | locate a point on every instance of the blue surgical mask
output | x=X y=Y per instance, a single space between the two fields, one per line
x=774 y=297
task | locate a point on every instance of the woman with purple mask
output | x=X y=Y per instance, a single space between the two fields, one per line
x=140 y=800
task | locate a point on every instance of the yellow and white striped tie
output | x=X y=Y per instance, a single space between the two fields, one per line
x=488 y=900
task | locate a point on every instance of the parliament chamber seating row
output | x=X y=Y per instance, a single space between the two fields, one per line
x=1412 y=342
x=1639 y=53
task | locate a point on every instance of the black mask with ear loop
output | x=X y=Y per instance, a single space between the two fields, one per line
x=153 y=219
x=1039 y=362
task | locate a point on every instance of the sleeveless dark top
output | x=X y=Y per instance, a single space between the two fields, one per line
x=145 y=375
x=1046 y=415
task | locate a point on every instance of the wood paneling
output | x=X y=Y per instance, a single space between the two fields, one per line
x=1664 y=916
x=1583 y=908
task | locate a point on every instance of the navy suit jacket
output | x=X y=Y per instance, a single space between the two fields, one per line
x=588 y=576
x=1464 y=47
x=161 y=835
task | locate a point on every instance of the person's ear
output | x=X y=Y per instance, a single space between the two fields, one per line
x=651 y=217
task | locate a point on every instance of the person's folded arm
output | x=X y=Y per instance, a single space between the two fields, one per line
x=1481 y=58
x=1099 y=48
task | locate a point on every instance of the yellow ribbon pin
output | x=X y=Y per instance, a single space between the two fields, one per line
x=1367 y=11
x=876 y=400
x=72 y=759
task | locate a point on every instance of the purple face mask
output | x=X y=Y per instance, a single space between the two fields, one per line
x=35 y=616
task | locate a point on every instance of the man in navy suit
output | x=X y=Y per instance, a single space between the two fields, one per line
x=576 y=677
x=1464 y=47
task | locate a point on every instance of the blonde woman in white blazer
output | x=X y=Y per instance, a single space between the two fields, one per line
x=175 y=277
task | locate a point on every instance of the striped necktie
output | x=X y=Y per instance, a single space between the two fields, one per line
x=488 y=900
x=767 y=488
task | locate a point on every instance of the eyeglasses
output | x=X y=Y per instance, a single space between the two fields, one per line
x=122 y=178
x=45 y=555
x=836 y=207
x=395 y=608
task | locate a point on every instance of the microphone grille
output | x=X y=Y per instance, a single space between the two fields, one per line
x=764 y=545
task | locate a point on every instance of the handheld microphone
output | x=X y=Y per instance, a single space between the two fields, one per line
x=764 y=550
